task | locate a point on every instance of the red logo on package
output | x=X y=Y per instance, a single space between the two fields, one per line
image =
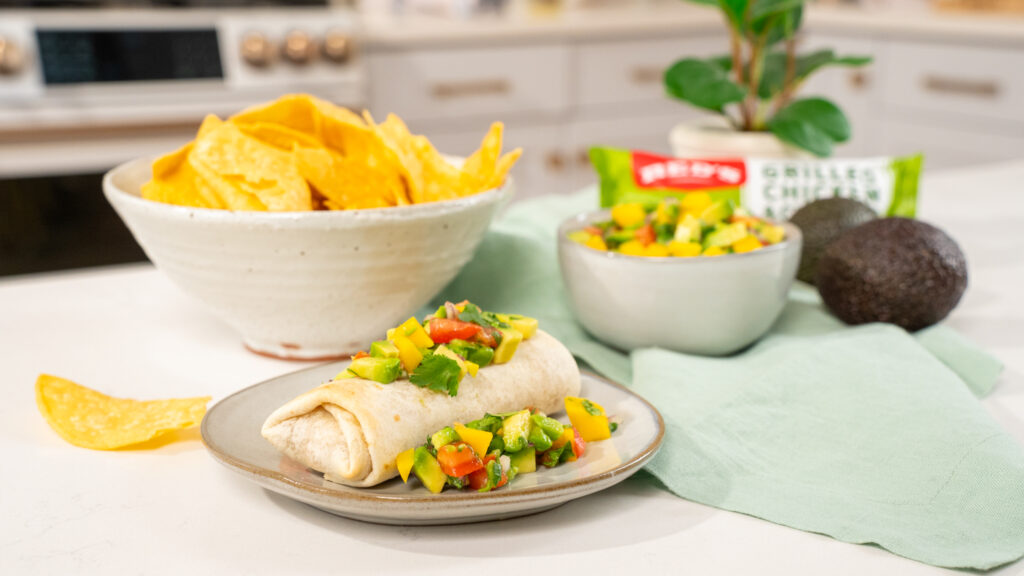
x=654 y=171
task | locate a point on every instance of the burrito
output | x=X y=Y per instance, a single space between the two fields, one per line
x=352 y=429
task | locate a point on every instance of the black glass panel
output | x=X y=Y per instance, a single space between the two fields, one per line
x=79 y=56
x=61 y=222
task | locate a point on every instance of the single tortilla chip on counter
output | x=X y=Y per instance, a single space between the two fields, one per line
x=90 y=419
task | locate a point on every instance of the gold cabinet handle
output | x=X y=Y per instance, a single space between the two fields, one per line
x=644 y=75
x=555 y=161
x=470 y=88
x=583 y=158
x=962 y=86
x=859 y=80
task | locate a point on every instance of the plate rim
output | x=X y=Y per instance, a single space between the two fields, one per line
x=471 y=498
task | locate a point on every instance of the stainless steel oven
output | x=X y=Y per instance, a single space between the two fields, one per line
x=87 y=85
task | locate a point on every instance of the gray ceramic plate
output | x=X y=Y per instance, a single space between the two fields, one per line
x=231 y=432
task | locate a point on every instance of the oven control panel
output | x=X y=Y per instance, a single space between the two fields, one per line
x=104 y=62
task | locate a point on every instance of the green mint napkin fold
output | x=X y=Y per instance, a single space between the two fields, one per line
x=866 y=434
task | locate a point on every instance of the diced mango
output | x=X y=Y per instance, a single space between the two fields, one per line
x=747 y=244
x=596 y=242
x=684 y=249
x=656 y=250
x=632 y=248
x=472 y=368
x=510 y=339
x=404 y=463
x=587 y=417
x=667 y=212
x=773 y=234
x=412 y=329
x=408 y=353
x=695 y=202
x=479 y=440
x=714 y=251
x=688 y=229
x=629 y=215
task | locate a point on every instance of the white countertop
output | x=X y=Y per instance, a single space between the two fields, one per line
x=129 y=332
x=384 y=30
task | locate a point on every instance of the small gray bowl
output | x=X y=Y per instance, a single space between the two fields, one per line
x=703 y=305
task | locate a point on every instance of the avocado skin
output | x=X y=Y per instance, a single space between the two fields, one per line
x=895 y=270
x=821 y=223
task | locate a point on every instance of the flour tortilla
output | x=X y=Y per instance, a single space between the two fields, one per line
x=352 y=430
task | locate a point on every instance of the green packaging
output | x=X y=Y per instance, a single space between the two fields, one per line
x=768 y=188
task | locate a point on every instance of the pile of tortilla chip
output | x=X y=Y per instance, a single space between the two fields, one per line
x=301 y=153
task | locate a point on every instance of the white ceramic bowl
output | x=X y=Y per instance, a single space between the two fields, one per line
x=306 y=285
x=701 y=305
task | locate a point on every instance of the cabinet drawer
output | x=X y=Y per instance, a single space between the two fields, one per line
x=967 y=80
x=631 y=72
x=463 y=83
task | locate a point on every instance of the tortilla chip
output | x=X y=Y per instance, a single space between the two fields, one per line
x=89 y=419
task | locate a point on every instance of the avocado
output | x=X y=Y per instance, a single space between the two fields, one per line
x=516 y=431
x=688 y=229
x=383 y=370
x=895 y=270
x=540 y=440
x=821 y=222
x=383 y=349
x=726 y=235
x=524 y=461
x=716 y=212
x=523 y=324
x=510 y=339
x=426 y=468
x=476 y=353
x=443 y=437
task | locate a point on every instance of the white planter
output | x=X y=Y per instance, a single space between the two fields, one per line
x=714 y=138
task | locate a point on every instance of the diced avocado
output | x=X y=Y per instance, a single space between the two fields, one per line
x=523 y=324
x=383 y=370
x=426 y=468
x=716 y=212
x=489 y=423
x=524 y=461
x=726 y=235
x=516 y=431
x=383 y=349
x=539 y=439
x=553 y=428
x=773 y=234
x=443 y=437
x=579 y=236
x=493 y=475
x=510 y=339
x=444 y=350
x=688 y=229
x=616 y=238
x=476 y=353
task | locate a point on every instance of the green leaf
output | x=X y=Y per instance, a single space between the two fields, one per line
x=779 y=26
x=702 y=83
x=735 y=11
x=774 y=73
x=764 y=8
x=814 y=124
x=438 y=373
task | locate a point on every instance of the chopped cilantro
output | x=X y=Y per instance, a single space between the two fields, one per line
x=590 y=408
x=438 y=373
x=473 y=313
x=613 y=426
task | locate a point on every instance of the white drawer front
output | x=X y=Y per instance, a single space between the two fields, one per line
x=967 y=80
x=631 y=72
x=463 y=83
x=946 y=147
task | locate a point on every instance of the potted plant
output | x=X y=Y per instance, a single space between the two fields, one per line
x=753 y=88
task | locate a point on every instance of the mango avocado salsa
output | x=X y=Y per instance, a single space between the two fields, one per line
x=448 y=345
x=490 y=452
x=696 y=225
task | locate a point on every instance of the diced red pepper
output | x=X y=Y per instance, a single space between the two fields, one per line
x=645 y=234
x=593 y=230
x=486 y=336
x=578 y=445
x=443 y=330
x=478 y=479
x=458 y=459
x=360 y=354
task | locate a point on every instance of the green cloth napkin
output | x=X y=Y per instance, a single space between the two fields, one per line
x=866 y=434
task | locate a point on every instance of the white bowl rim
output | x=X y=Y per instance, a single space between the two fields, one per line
x=112 y=190
x=793 y=236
